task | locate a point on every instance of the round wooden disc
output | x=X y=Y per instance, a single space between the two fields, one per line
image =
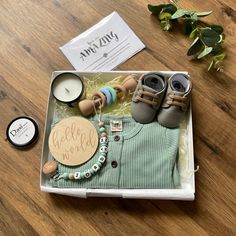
x=73 y=141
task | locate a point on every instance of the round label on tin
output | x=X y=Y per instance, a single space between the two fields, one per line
x=22 y=131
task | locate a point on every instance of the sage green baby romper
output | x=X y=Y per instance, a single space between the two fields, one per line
x=140 y=156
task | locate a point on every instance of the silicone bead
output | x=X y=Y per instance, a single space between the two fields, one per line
x=99 y=164
x=71 y=176
x=103 y=134
x=102 y=129
x=95 y=167
x=82 y=175
x=103 y=140
x=108 y=95
x=101 y=159
x=87 y=174
x=91 y=171
x=65 y=176
x=113 y=93
x=77 y=175
x=103 y=149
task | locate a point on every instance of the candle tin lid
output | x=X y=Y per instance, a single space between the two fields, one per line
x=69 y=94
x=22 y=131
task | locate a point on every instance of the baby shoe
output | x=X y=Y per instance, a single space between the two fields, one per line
x=176 y=101
x=147 y=97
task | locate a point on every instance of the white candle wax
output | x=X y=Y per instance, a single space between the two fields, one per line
x=67 y=87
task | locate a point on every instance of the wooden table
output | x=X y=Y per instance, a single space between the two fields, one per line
x=31 y=32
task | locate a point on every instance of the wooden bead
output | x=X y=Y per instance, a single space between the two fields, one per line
x=50 y=167
x=103 y=134
x=86 y=107
x=129 y=83
x=121 y=91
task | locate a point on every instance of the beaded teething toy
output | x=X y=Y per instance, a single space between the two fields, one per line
x=108 y=95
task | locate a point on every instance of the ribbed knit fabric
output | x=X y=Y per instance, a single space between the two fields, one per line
x=146 y=156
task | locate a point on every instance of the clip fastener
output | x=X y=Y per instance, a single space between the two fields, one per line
x=56 y=176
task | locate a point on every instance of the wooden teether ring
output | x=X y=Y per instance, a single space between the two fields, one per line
x=129 y=83
x=101 y=96
x=122 y=89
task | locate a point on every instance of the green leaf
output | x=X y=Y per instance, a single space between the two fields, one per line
x=196 y=46
x=170 y=8
x=210 y=37
x=217 y=49
x=164 y=16
x=220 y=57
x=188 y=26
x=217 y=65
x=165 y=25
x=205 y=52
x=217 y=28
x=194 y=17
x=203 y=14
x=155 y=9
x=179 y=13
x=194 y=33
x=216 y=62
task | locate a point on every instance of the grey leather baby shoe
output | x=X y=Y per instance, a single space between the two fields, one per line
x=147 y=97
x=176 y=101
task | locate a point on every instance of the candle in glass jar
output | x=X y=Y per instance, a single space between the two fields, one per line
x=67 y=87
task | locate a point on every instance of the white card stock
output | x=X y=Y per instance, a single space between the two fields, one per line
x=104 y=46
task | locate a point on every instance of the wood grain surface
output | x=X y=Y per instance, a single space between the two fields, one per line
x=31 y=32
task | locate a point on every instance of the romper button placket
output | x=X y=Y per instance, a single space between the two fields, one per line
x=114 y=164
x=116 y=138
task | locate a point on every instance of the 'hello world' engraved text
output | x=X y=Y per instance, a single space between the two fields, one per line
x=73 y=139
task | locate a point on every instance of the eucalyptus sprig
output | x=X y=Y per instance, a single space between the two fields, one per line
x=207 y=39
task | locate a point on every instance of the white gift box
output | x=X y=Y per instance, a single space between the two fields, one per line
x=186 y=156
